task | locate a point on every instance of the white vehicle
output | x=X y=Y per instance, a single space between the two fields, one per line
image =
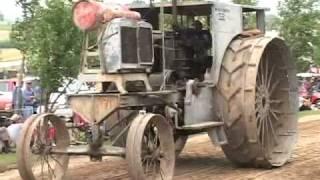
x=59 y=99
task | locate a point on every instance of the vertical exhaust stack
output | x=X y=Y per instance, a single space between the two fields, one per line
x=88 y=15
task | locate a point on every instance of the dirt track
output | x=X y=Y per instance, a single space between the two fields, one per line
x=202 y=161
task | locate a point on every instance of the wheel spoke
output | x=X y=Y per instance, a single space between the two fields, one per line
x=273 y=87
x=155 y=141
x=152 y=162
x=270 y=77
x=273 y=131
x=259 y=126
x=275 y=111
x=262 y=131
x=260 y=82
x=274 y=115
x=262 y=74
x=56 y=160
x=258 y=108
x=150 y=157
x=147 y=166
x=149 y=133
x=50 y=169
x=162 y=175
x=154 y=169
x=258 y=98
x=259 y=117
x=276 y=102
x=266 y=72
x=266 y=136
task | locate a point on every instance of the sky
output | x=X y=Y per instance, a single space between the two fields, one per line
x=12 y=12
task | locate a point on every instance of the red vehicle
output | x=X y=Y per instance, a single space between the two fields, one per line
x=5 y=101
x=315 y=98
x=7 y=87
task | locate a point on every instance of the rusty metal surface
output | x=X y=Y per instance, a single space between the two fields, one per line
x=83 y=150
x=94 y=107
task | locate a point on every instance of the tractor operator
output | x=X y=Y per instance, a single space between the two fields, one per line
x=201 y=44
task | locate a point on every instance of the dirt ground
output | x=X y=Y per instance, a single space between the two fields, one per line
x=201 y=160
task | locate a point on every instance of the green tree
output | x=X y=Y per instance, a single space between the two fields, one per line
x=272 y=22
x=300 y=28
x=245 y=2
x=249 y=17
x=50 y=42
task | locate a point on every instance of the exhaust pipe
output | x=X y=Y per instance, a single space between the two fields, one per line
x=88 y=14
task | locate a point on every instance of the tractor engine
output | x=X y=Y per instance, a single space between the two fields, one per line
x=190 y=58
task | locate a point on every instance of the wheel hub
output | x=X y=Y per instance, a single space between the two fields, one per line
x=263 y=101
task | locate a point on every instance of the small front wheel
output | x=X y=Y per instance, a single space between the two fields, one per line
x=41 y=134
x=150 y=149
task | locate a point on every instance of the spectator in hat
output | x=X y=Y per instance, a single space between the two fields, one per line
x=29 y=99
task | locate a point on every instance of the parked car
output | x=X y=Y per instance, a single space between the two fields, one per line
x=5 y=101
x=6 y=90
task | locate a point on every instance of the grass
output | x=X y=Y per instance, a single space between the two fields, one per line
x=7 y=161
x=308 y=113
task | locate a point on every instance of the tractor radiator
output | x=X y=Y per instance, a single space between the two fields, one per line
x=126 y=45
x=136 y=45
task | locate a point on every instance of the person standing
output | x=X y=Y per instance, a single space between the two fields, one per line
x=17 y=99
x=38 y=96
x=29 y=100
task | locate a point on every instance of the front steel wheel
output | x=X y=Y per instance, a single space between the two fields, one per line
x=41 y=134
x=150 y=149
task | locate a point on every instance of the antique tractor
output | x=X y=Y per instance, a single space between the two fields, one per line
x=157 y=84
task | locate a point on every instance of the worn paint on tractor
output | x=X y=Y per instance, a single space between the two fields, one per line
x=157 y=83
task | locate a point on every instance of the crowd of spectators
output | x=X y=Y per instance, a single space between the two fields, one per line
x=309 y=95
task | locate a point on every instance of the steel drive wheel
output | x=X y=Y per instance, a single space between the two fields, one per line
x=150 y=149
x=40 y=134
x=256 y=97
